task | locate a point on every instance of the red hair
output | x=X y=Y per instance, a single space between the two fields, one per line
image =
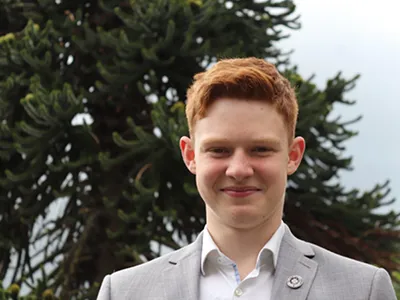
x=242 y=78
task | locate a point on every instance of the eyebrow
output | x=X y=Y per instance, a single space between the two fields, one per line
x=263 y=140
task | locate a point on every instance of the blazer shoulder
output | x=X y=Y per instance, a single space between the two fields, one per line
x=121 y=284
x=145 y=279
x=356 y=278
x=154 y=268
x=324 y=257
x=327 y=258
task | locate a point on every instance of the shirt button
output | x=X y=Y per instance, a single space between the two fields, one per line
x=238 y=292
x=220 y=260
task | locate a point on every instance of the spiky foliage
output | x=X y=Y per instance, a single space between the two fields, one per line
x=91 y=108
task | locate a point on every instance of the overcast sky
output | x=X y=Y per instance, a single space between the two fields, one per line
x=358 y=36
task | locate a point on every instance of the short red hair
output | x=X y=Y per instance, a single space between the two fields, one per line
x=242 y=78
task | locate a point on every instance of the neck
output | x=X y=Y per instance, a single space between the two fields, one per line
x=243 y=245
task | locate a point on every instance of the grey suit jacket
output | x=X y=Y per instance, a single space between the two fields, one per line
x=326 y=276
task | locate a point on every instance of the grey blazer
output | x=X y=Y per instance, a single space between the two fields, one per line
x=325 y=276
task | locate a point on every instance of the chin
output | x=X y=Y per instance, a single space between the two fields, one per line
x=243 y=223
x=245 y=216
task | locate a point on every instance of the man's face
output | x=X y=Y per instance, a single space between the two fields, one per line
x=241 y=158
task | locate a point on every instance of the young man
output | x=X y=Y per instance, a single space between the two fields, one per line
x=242 y=116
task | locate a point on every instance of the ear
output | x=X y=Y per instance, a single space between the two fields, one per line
x=187 y=150
x=296 y=152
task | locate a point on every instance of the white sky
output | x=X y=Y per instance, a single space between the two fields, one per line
x=358 y=36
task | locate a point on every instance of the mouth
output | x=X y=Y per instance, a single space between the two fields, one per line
x=240 y=192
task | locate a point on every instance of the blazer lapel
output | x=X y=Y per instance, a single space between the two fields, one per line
x=294 y=265
x=182 y=276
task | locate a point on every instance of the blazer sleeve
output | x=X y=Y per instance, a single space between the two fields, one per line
x=105 y=289
x=382 y=287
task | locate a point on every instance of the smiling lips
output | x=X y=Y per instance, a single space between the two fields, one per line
x=240 y=192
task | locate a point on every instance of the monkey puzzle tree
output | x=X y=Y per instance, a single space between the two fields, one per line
x=91 y=109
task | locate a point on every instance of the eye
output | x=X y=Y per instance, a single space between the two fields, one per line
x=261 y=149
x=218 y=150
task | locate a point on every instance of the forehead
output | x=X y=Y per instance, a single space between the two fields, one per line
x=230 y=119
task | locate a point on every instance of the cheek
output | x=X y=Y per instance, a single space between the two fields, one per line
x=208 y=172
x=272 y=170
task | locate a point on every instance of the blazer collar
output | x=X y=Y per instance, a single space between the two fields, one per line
x=182 y=276
x=295 y=271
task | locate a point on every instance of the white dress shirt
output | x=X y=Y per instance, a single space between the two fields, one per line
x=220 y=279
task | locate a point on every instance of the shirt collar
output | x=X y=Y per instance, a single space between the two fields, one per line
x=272 y=245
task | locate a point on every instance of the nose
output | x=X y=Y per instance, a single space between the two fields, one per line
x=239 y=167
